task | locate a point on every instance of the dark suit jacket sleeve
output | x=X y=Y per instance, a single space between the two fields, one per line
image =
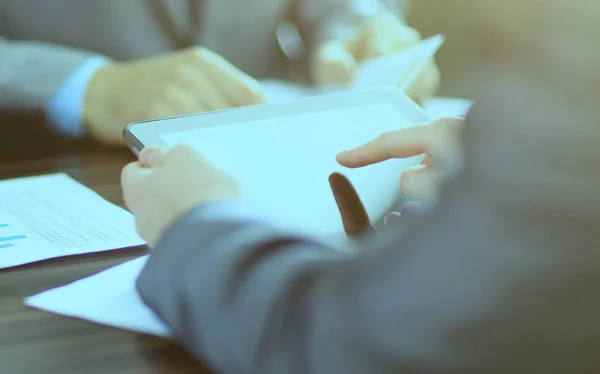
x=25 y=83
x=500 y=278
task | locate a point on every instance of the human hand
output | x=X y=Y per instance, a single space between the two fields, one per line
x=440 y=141
x=184 y=82
x=337 y=61
x=355 y=218
x=165 y=184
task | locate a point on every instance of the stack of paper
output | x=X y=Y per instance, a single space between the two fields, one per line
x=108 y=298
x=54 y=216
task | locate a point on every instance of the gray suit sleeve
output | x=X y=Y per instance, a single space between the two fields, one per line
x=499 y=278
x=31 y=72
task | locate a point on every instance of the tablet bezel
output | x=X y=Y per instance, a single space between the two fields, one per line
x=140 y=134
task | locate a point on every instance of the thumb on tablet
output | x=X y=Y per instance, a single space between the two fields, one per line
x=353 y=213
x=152 y=156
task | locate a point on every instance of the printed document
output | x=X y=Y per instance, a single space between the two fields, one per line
x=53 y=216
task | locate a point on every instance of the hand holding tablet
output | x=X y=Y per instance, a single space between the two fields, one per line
x=282 y=154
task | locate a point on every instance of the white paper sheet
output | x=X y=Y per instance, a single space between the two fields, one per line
x=54 y=216
x=397 y=70
x=108 y=298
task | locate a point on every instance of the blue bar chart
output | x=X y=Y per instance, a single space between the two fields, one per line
x=12 y=237
x=5 y=241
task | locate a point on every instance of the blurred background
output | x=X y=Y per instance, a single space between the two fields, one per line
x=551 y=39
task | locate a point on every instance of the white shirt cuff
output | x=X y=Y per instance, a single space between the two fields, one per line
x=65 y=109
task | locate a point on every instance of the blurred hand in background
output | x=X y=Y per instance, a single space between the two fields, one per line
x=143 y=61
x=188 y=81
x=337 y=61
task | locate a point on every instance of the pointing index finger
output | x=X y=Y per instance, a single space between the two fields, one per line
x=403 y=143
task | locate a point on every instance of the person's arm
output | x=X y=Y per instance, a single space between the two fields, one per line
x=31 y=72
x=65 y=110
x=48 y=78
x=251 y=299
x=498 y=279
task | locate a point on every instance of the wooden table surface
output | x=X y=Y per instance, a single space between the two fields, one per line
x=36 y=342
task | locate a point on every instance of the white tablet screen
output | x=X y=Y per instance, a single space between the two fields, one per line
x=283 y=163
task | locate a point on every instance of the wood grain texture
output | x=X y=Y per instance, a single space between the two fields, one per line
x=32 y=341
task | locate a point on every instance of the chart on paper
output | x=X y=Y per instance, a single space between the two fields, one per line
x=8 y=238
x=59 y=221
x=53 y=216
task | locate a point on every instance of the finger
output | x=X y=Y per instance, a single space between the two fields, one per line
x=159 y=110
x=412 y=208
x=131 y=175
x=387 y=35
x=334 y=64
x=245 y=89
x=232 y=93
x=183 y=154
x=358 y=41
x=403 y=143
x=178 y=102
x=420 y=182
x=446 y=148
x=381 y=36
x=353 y=213
x=186 y=99
x=392 y=218
x=426 y=160
x=407 y=142
x=152 y=156
x=203 y=91
x=409 y=209
x=354 y=42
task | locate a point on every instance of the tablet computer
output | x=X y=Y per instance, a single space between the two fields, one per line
x=283 y=153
